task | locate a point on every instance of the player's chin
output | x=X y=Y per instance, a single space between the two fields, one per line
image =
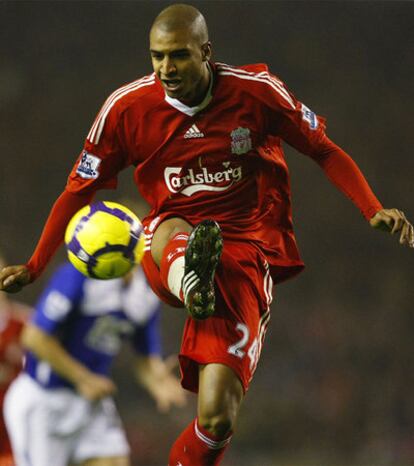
x=174 y=93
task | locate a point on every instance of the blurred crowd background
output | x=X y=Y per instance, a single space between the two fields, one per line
x=335 y=383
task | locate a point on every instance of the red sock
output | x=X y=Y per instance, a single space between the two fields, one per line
x=172 y=264
x=197 y=447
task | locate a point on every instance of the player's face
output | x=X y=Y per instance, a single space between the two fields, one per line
x=180 y=62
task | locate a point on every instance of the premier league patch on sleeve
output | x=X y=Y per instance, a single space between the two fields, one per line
x=309 y=117
x=88 y=166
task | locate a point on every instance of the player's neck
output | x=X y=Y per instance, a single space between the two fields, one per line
x=201 y=90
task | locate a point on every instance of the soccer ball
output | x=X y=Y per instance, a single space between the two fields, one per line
x=104 y=240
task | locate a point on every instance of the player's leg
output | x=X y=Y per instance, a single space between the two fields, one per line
x=110 y=461
x=187 y=262
x=233 y=337
x=204 y=441
x=219 y=399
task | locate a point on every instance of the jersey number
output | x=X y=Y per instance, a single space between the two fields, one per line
x=237 y=348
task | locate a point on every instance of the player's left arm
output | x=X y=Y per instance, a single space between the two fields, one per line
x=344 y=173
x=301 y=128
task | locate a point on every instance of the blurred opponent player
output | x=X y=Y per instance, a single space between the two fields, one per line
x=13 y=315
x=205 y=139
x=59 y=411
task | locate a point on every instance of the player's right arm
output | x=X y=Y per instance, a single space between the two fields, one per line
x=56 y=307
x=14 y=278
x=96 y=168
x=48 y=348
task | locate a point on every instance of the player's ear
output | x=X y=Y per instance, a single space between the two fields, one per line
x=206 y=51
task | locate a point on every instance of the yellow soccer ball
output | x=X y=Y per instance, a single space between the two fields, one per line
x=104 y=240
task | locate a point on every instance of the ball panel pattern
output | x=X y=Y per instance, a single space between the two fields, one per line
x=104 y=240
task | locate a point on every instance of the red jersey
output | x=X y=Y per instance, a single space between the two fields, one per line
x=222 y=159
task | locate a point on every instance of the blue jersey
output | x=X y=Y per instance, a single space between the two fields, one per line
x=90 y=318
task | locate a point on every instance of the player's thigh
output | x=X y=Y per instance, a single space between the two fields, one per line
x=166 y=230
x=110 y=461
x=234 y=335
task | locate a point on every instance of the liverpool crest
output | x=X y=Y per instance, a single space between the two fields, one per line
x=240 y=141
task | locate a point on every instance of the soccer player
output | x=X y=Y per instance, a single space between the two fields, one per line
x=206 y=140
x=13 y=315
x=59 y=411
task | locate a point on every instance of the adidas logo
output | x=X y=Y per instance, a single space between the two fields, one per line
x=193 y=132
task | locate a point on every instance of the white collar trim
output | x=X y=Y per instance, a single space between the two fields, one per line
x=191 y=111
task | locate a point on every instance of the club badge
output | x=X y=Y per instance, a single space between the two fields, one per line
x=240 y=141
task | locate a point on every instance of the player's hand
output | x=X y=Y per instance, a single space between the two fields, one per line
x=394 y=221
x=168 y=392
x=13 y=278
x=156 y=375
x=93 y=387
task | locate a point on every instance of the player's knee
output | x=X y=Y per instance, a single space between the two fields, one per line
x=164 y=233
x=218 y=425
x=179 y=226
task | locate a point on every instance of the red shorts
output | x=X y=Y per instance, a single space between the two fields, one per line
x=234 y=334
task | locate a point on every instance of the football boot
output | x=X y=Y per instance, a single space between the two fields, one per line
x=202 y=255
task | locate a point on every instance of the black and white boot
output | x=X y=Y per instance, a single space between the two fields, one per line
x=202 y=255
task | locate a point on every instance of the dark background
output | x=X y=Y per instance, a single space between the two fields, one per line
x=335 y=382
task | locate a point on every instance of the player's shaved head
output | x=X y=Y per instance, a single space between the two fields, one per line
x=180 y=51
x=181 y=16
